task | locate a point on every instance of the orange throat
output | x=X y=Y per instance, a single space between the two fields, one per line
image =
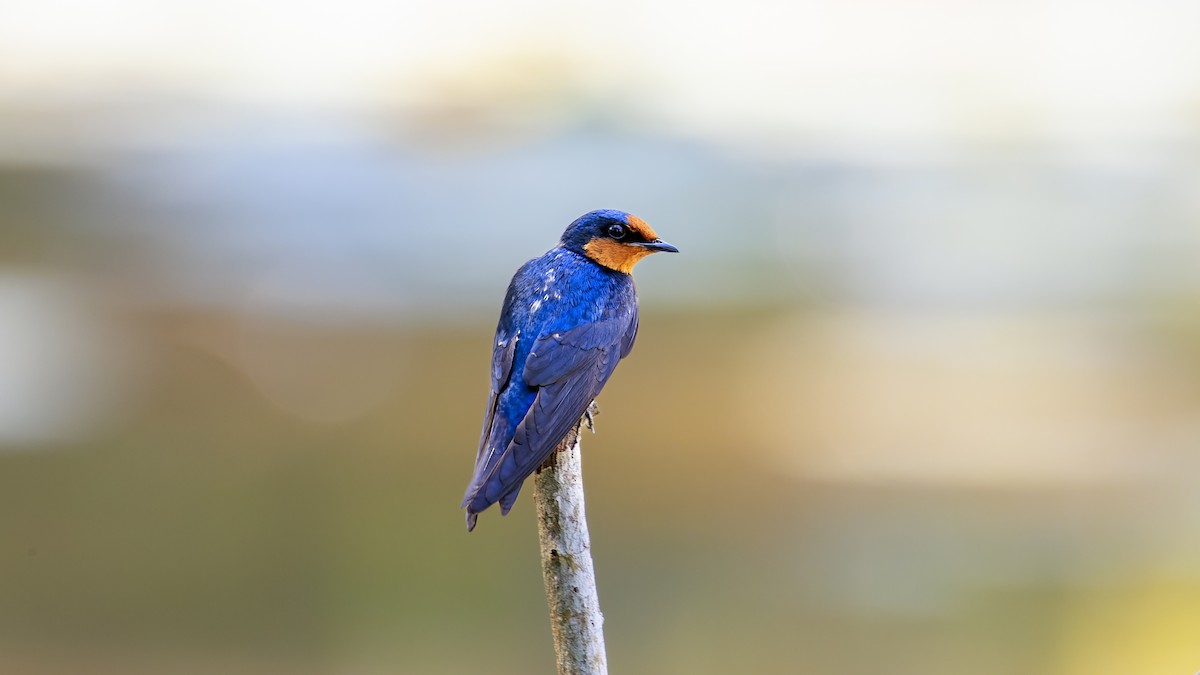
x=615 y=255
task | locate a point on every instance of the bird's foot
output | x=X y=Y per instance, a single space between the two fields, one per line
x=589 y=416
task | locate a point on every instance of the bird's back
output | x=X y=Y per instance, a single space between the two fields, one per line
x=565 y=323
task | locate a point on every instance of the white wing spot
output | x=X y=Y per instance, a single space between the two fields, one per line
x=537 y=304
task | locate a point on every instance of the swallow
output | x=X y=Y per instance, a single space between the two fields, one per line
x=568 y=318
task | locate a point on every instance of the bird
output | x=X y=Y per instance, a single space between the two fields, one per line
x=568 y=317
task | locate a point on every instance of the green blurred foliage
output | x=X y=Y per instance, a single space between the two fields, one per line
x=214 y=533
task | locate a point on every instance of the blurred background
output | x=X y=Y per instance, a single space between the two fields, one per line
x=921 y=395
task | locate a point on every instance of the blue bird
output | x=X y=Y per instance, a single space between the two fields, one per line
x=568 y=318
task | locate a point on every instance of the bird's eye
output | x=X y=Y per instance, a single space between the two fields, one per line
x=616 y=231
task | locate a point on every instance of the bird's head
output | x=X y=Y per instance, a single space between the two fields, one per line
x=614 y=239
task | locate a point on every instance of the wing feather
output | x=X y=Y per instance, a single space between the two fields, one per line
x=563 y=372
x=568 y=368
x=502 y=368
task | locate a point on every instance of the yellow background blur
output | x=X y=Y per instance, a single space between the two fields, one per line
x=921 y=394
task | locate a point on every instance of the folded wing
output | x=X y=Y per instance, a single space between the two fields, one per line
x=568 y=369
x=486 y=457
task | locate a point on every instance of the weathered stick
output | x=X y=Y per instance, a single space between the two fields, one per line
x=570 y=580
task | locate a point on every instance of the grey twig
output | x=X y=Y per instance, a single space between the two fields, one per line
x=567 y=570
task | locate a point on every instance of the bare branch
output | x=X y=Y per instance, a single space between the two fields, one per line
x=567 y=570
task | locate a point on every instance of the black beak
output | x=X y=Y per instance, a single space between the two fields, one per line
x=658 y=245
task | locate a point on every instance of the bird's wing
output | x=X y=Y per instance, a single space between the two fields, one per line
x=502 y=366
x=568 y=368
x=630 y=335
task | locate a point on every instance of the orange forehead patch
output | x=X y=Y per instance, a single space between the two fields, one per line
x=615 y=255
x=638 y=225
